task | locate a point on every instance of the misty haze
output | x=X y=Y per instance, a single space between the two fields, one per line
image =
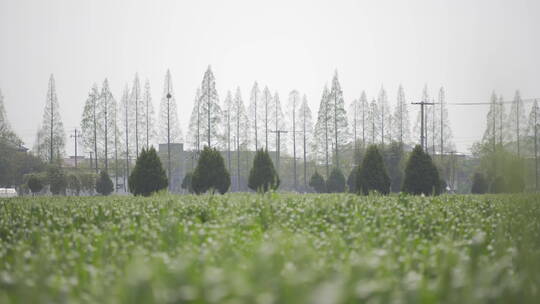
x=269 y=151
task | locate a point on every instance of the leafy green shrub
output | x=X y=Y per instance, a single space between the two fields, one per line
x=479 y=184
x=262 y=175
x=57 y=180
x=104 y=184
x=372 y=175
x=336 y=181
x=148 y=176
x=317 y=183
x=421 y=175
x=186 y=182
x=74 y=184
x=35 y=183
x=210 y=173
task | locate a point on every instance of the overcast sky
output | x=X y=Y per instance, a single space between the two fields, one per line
x=469 y=47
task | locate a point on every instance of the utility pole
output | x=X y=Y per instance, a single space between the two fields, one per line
x=75 y=137
x=278 y=152
x=423 y=142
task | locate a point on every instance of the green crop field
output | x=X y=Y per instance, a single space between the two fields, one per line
x=273 y=248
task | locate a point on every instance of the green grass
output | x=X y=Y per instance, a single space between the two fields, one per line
x=276 y=248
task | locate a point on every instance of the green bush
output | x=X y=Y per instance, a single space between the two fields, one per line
x=372 y=175
x=148 y=176
x=336 y=181
x=74 y=184
x=479 y=184
x=317 y=183
x=104 y=184
x=186 y=182
x=210 y=173
x=421 y=175
x=35 y=184
x=263 y=176
x=57 y=180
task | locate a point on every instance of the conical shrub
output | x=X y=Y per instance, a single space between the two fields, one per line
x=336 y=181
x=104 y=184
x=317 y=183
x=421 y=175
x=148 y=176
x=262 y=175
x=210 y=173
x=372 y=175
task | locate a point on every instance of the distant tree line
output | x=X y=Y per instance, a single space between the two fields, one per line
x=332 y=142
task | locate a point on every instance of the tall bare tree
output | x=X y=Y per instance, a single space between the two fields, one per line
x=90 y=123
x=254 y=113
x=384 y=117
x=125 y=112
x=210 y=109
x=338 y=116
x=306 y=129
x=53 y=136
x=322 y=129
x=240 y=127
x=194 y=135
x=402 y=132
x=107 y=125
x=277 y=120
x=516 y=124
x=266 y=109
x=148 y=123
x=137 y=108
x=227 y=124
x=292 y=108
x=169 y=126
x=358 y=111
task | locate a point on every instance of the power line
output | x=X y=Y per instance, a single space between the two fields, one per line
x=484 y=103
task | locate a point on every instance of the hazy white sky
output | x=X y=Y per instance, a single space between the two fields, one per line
x=469 y=47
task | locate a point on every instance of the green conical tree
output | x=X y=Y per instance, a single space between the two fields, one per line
x=372 y=175
x=104 y=184
x=336 y=181
x=210 y=173
x=421 y=175
x=479 y=184
x=317 y=183
x=262 y=175
x=148 y=176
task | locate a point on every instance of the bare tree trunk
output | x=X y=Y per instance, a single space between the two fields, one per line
x=336 y=131
x=95 y=135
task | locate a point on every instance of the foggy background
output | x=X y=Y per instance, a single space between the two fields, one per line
x=469 y=47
